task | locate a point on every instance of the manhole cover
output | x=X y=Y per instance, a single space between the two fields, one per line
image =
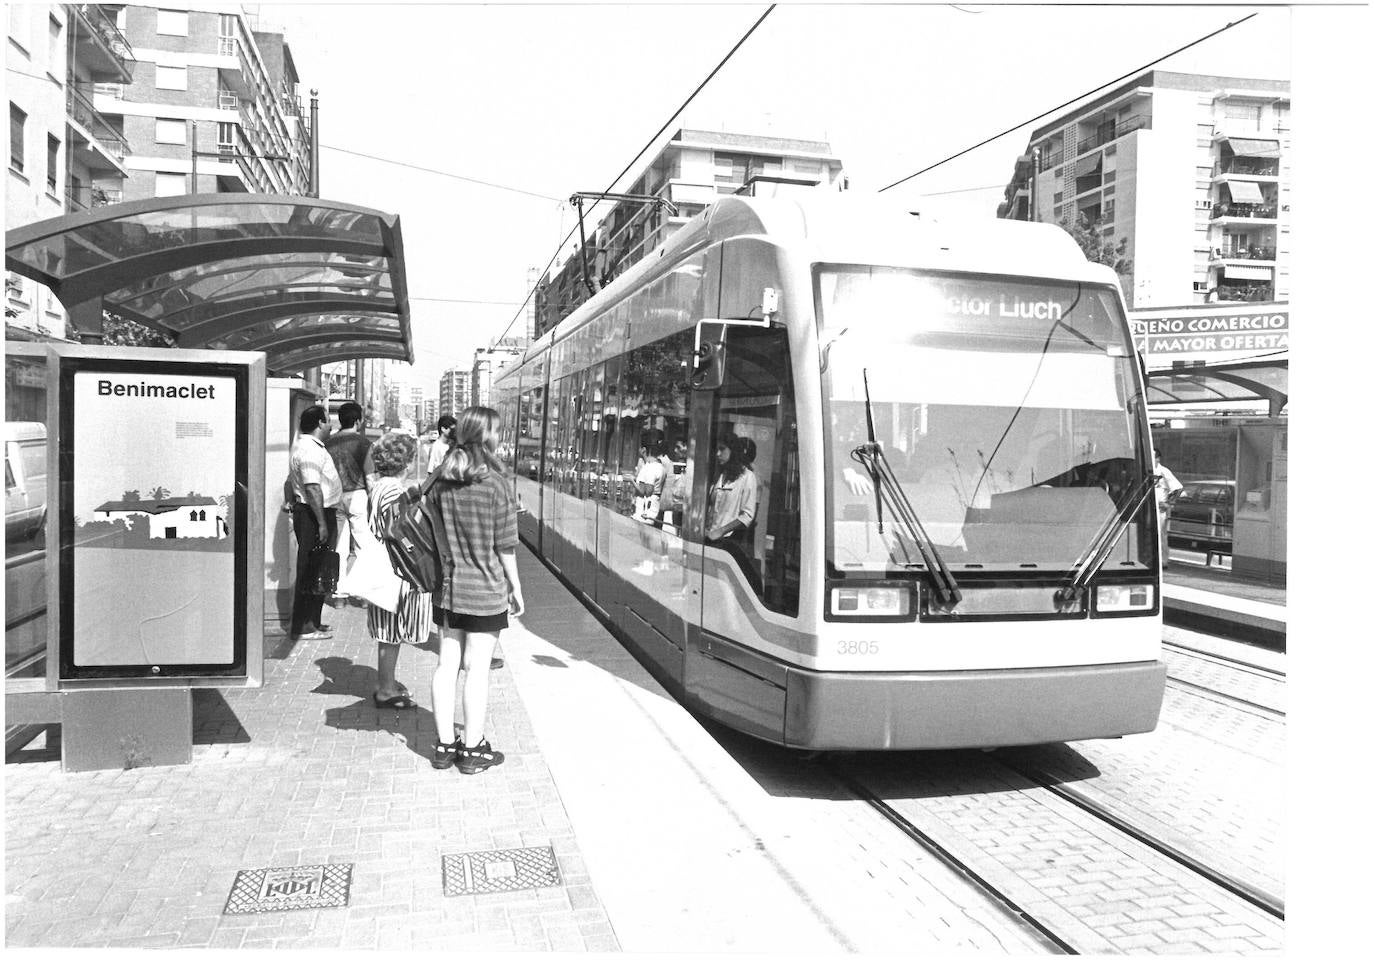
x=507 y=870
x=293 y=887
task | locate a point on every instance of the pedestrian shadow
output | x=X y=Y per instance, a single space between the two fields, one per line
x=344 y=677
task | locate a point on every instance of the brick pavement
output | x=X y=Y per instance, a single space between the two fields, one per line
x=302 y=771
x=666 y=842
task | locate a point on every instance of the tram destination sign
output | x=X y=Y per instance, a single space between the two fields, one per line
x=159 y=460
x=1250 y=329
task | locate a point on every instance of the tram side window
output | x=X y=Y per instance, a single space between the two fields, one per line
x=754 y=505
x=553 y=441
x=653 y=445
x=530 y=429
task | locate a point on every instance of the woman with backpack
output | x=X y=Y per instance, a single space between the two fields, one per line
x=409 y=623
x=483 y=589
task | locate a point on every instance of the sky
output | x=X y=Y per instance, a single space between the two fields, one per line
x=553 y=99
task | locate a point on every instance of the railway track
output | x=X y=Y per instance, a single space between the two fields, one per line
x=1022 y=903
x=1229 y=681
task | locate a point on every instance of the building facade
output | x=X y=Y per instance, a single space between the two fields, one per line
x=692 y=170
x=1192 y=171
x=455 y=391
x=112 y=102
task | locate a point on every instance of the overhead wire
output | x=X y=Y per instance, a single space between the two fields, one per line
x=647 y=145
x=440 y=172
x=1079 y=97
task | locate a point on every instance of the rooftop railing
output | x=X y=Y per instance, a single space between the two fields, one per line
x=1124 y=127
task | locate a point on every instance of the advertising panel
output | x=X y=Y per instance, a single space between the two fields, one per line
x=159 y=461
x=1201 y=331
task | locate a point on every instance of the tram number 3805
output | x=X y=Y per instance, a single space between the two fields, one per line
x=853 y=647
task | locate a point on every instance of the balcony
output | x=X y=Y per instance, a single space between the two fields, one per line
x=1253 y=294
x=1051 y=159
x=1124 y=127
x=1245 y=211
x=1245 y=253
x=106 y=197
x=100 y=45
x=1237 y=166
x=114 y=148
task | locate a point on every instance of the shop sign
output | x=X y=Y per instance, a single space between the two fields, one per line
x=1245 y=329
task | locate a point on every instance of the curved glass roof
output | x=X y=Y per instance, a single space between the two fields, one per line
x=1215 y=384
x=307 y=281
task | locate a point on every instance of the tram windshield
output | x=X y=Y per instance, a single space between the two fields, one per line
x=1008 y=409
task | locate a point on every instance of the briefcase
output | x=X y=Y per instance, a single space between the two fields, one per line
x=321 y=572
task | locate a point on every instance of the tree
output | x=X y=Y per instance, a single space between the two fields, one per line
x=1088 y=235
x=122 y=331
x=160 y=493
x=132 y=495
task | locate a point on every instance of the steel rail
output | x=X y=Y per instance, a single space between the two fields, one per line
x=1278 y=675
x=1236 y=702
x=950 y=860
x=1240 y=888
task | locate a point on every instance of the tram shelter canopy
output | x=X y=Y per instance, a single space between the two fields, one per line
x=307 y=281
x=1218 y=384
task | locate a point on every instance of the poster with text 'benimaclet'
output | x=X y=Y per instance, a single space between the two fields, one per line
x=153 y=518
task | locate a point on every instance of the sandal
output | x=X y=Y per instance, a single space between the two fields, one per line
x=393 y=702
x=445 y=754
x=474 y=760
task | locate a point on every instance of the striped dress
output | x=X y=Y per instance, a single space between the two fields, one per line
x=411 y=621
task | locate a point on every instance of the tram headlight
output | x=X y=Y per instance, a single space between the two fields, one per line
x=885 y=601
x=1125 y=598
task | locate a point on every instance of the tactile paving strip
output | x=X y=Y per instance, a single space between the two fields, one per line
x=292 y=887
x=507 y=870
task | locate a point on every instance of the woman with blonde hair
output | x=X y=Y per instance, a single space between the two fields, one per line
x=483 y=589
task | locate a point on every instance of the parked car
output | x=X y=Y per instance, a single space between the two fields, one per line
x=26 y=479
x=1203 y=515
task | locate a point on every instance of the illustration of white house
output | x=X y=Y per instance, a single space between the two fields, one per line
x=170 y=517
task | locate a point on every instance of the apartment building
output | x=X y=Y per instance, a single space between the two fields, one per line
x=691 y=171
x=1190 y=170
x=455 y=390
x=112 y=102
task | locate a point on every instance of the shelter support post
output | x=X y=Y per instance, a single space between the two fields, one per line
x=88 y=320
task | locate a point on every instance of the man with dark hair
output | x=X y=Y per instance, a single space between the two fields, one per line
x=351 y=451
x=316 y=491
x=443 y=444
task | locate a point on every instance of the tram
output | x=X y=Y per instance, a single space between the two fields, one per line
x=937 y=468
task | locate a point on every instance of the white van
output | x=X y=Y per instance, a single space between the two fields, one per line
x=26 y=479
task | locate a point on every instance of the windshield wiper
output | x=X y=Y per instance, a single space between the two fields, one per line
x=870 y=454
x=1107 y=536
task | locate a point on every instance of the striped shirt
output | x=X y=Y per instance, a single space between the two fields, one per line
x=410 y=622
x=479 y=520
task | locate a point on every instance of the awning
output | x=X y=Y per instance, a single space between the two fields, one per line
x=302 y=279
x=1255 y=148
x=1093 y=164
x=1241 y=272
x=1216 y=384
x=1243 y=191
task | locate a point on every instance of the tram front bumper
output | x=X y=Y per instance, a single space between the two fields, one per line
x=970 y=708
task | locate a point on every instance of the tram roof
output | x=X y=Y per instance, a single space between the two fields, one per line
x=855 y=228
x=307 y=281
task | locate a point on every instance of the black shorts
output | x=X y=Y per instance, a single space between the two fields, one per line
x=470 y=623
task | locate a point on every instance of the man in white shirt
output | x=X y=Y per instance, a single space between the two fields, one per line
x=316 y=491
x=1165 y=489
x=439 y=449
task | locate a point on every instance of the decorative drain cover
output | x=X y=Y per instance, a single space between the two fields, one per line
x=507 y=870
x=294 y=887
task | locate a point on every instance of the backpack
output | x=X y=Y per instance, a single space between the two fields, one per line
x=416 y=541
